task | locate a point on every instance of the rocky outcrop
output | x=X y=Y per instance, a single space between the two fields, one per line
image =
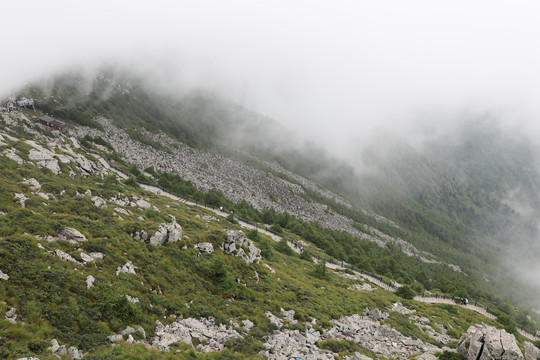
x=128 y=268
x=376 y=314
x=45 y=158
x=12 y=154
x=127 y=331
x=90 y=281
x=381 y=339
x=171 y=232
x=205 y=247
x=72 y=235
x=33 y=184
x=3 y=276
x=21 y=198
x=65 y=256
x=531 y=351
x=203 y=334
x=398 y=307
x=488 y=343
x=292 y=344
x=11 y=315
x=99 y=202
x=93 y=256
x=60 y=350
x=238 y=245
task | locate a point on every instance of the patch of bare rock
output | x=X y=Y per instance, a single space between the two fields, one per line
x=238 y=245
x=488 y=343
x=203 y=334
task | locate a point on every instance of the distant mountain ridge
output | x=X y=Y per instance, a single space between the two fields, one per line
x=452 y=199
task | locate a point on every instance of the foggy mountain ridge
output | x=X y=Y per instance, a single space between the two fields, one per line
x=450 y=190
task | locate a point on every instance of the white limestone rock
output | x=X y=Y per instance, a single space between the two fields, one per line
x=45 y=158
x=531 y=351
x=143 y=204
x=205 y=247
x=171 y=232
x=33 y=184
x=99 y=202
x=74 y=353
x=128 y=268
x=11 y=315
x=133 y=299
x=65 y=256
x=211 y=337
x=93 y=256
x=398 y=307
x=3 y=276
x=72 y=235
x=269 y=268
x=238 y=245
x=21 y=198
x=90 y=281
x=11 y=154
x=486 y=342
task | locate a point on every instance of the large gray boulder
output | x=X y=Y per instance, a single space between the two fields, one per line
x=486 y=343
x=531 y=351
x=72 y=235
x=238 y=245
x=4 y=276
x=171 y=232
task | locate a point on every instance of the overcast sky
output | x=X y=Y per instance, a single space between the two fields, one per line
x=335 y=69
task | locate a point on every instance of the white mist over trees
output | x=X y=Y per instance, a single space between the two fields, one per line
x=331 y=70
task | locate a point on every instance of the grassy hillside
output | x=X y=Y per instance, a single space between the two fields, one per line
x=52 y=300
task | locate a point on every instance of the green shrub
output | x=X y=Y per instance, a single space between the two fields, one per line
x=284 y=248
x=449 y=355
x=320 y=270
x=118 y=307
x=218 y=272
x=405 y=292
x=305 y=255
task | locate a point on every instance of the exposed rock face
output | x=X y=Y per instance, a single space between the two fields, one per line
x=90 y=281
x=238 y=245
x=11 y=315
x=376 y=314
x=133 y=299
x=65 y=256
x=99 y=202
x=381 y=339
x=72 y=235
x=59 y=350
x=3 y=276
x=398 y=307
x=486 y=343
x=45 y=158
x=128 y=268
x=33 y=184
x=143 y=204
x=127 y=331
x=205 y=247
x=93 y=256
x=11 y=154
x=531 y=351
x=210 y=336
x=291 y=344
x=171 y=232
x=21 y=198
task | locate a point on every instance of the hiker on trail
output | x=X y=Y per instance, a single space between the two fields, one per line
x=465 y=301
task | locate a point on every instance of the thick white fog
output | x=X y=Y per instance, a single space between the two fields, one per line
x=333 y=70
